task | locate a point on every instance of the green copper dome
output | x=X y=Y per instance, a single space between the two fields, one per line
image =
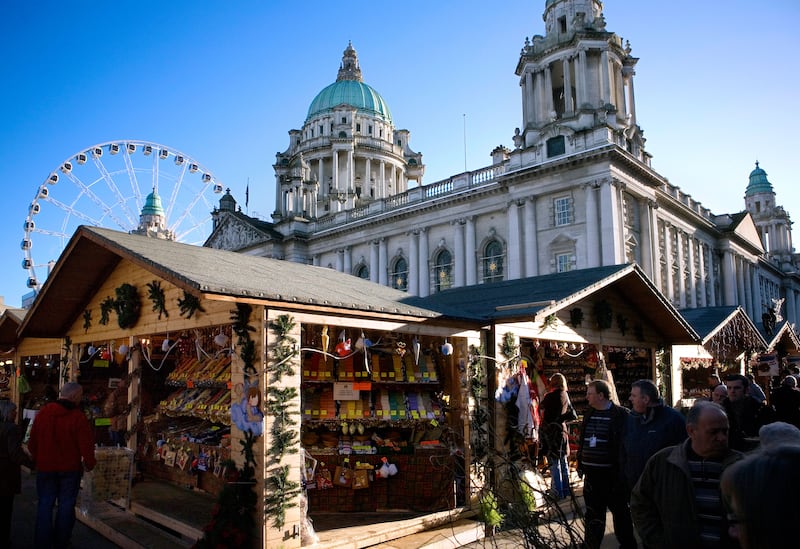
x=349 y=92
x=349 y=89
x=152 y=205
x=758 y=183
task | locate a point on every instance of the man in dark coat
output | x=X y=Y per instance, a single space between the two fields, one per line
x=650 y=427
x=786 y=401
x=599 y=464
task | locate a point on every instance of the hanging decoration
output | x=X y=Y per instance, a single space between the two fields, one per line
x=189 y=305
x=603 y=315
x=127 y=306
x=106 y=306
x=65 y=359
x=87 y=320
x=550 y=321
x=156 y=295
x=447 y=348
x=575 y=317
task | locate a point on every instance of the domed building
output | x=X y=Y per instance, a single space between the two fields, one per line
x=348 y=153
x=574 y=189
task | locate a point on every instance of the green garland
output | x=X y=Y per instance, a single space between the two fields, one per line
x=65 y=358
x=281 y=491
x=479 y=420
x=189 y=305
x=106 y=306
x=156 y=294
x=87 y=320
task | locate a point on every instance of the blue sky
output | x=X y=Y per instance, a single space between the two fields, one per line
x=223 y=82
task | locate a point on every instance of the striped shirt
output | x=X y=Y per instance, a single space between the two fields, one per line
x=597 y=452
x=707 y=500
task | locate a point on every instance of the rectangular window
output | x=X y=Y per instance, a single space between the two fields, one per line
x=321 y=130
x=369 y=130
x=358 y=127
x=563 y=263
x=556 y=146
x=562 y=209
x=344 y=120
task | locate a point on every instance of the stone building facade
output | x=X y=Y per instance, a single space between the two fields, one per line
x=575 y=190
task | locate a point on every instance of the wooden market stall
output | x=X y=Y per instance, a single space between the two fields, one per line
x=309 y=376
x=603 y=323
x=780 y=356
x=729 y=341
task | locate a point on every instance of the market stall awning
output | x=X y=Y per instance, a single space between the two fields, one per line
x=537 y=297
x=93 y=253
x=785 y=336
x=726 y=332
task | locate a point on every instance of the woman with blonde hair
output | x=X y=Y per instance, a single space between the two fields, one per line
x=556 y=412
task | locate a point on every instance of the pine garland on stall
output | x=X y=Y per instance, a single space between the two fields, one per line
x=282 y=491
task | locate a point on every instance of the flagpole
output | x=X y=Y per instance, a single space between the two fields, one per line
x=247 y=197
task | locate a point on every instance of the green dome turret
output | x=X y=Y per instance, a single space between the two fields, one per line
x=758 y=183
x=349 y=89
x=152 y=205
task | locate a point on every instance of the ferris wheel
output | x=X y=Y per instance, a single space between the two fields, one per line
x=107 y=185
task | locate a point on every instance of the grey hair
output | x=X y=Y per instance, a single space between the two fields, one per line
x=7 y=410
x=693 y=416
x=777 y=434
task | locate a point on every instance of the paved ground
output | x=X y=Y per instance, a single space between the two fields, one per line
x=24 y=519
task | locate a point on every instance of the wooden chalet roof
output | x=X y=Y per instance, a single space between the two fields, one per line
x=92 y=254
x=537 y=297
x=727 y=330
x=10 y=321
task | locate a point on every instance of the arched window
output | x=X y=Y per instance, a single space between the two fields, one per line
x=493 y=262
x=400 y=274
x=362 y=271
x=443 y=271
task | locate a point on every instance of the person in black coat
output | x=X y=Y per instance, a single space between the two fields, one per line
x=786 y=401
x=12 y=456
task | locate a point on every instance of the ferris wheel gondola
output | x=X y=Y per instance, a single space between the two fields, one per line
x=107 y=185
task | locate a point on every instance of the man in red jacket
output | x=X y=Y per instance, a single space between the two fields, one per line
x=62 y=446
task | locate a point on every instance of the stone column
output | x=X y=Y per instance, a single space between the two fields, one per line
x=374 y=266
x=609 y=224
x=592 y=227
x=459 y=264
x=368 y=187
x=383 y=262
x=692 y=289
x=548 y=86
x=728 y=278
x=605 y=84
x=758 y=306
x=340 y=260
x=712 y=280
x=568 y=108
x=681 y=268
x=470 y=252
x=382 y=181
x=348 y=260
x=703 y=275
x=530 y=240
x=413 y=263
x=424 y=267
x=646 y=245
x=580 y=76
x=514 y=256
x=670 y=282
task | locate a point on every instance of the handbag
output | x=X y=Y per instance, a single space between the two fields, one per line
x=570 y=414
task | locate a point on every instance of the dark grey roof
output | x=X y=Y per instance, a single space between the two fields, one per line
x=516 y=298
x=707 y=320
x=93 y=252
x=523 y=299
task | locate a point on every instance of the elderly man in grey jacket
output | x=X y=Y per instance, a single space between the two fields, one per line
x=677 y=501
